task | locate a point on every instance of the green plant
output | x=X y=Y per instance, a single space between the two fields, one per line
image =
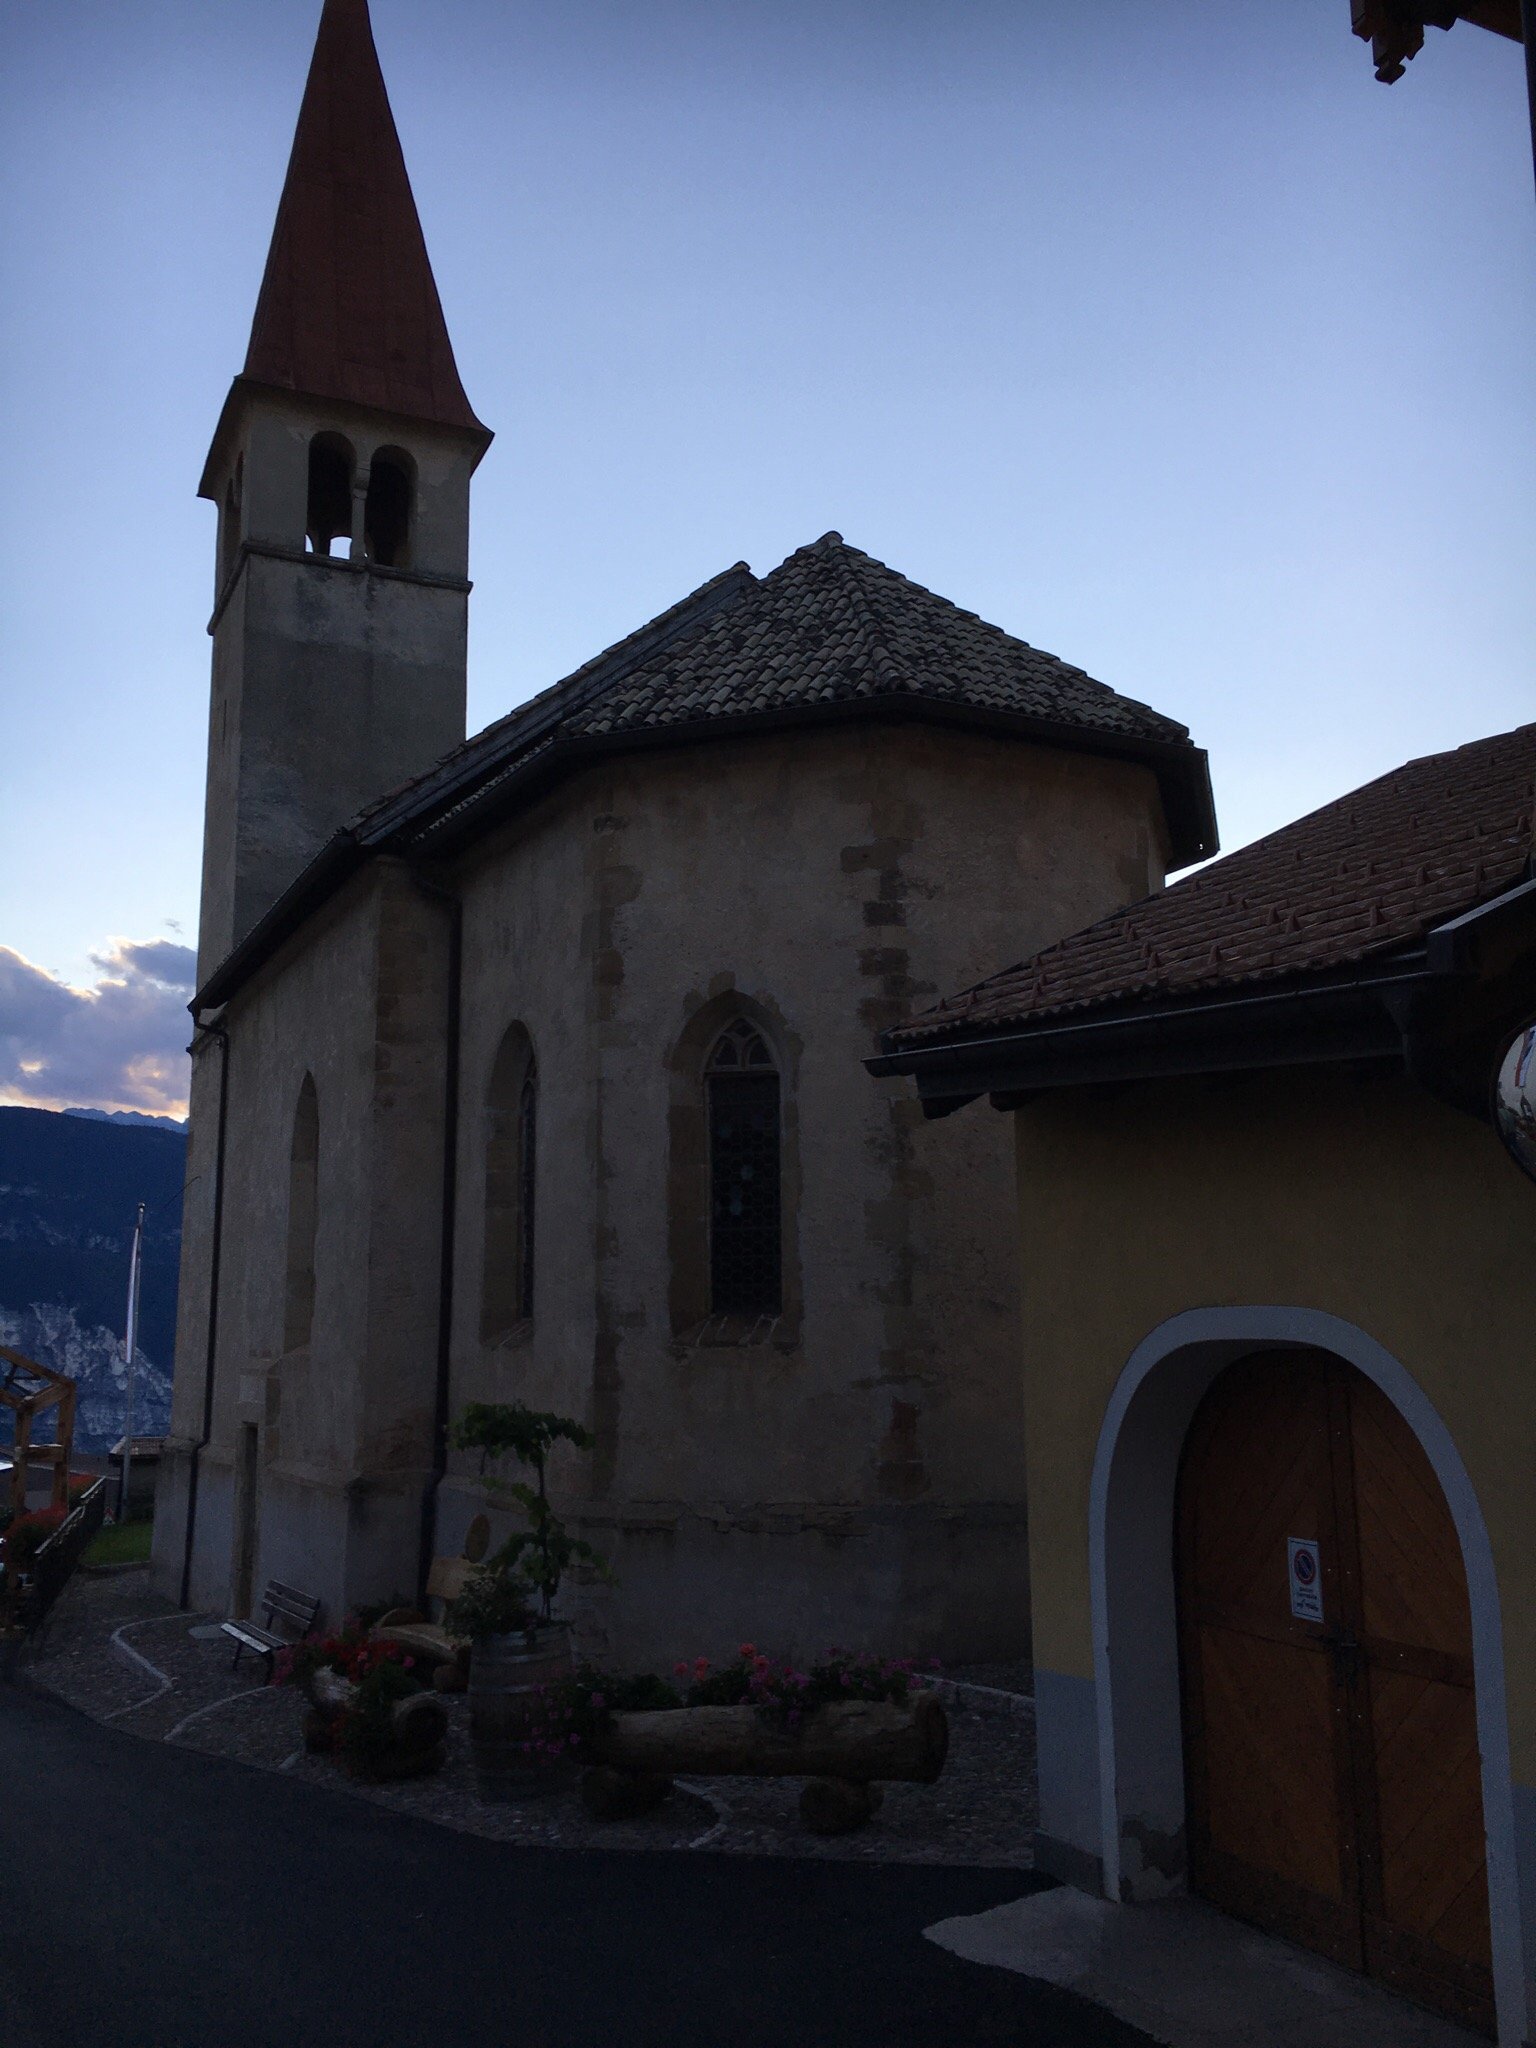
x=366 y=1735
x=542 y=1553
x=564 y=1719
x=493 y=1603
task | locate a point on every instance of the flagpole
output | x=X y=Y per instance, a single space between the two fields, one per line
x=131 y=1349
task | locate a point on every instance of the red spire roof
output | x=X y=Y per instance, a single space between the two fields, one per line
x=349 y=307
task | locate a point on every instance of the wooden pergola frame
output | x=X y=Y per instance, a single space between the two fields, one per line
x=27 y=1389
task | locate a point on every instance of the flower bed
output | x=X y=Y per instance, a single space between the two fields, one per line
x=368 y=1704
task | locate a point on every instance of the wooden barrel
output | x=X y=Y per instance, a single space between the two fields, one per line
x=505 y=1676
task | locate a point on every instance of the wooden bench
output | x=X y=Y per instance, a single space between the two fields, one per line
x=278 y=1603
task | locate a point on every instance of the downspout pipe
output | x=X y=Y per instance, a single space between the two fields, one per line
x=210 y=1357
x=447 y=1230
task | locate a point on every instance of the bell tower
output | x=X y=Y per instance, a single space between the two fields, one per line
x=341 y=469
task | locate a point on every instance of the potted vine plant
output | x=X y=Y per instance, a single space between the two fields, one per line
x=518 y=1649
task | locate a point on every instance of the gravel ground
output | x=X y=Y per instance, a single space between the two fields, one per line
x=981 y=1812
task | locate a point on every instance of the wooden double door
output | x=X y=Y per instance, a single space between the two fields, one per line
x=1331 y=1760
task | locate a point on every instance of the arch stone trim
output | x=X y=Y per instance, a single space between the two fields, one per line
x=1135 y=1642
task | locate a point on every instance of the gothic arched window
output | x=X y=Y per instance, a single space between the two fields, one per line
x=303 y=1216
x=511 y=1187
x=745 y=1232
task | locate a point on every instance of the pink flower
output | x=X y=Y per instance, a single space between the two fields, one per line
x=679 y=1670
x=701 y=1665
x=748 y=1652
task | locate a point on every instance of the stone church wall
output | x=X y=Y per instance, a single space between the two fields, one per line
x=855 y=1471
x=334 y=1427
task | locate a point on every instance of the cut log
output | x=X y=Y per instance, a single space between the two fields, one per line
x=836 y=1806
x=331 y=1692
x=856 y=1740
x=428 y=1644
x=420 y=1722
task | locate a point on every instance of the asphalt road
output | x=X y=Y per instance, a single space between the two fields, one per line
x=151 y=1897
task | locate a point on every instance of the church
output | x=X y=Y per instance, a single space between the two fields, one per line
x=528 y=1066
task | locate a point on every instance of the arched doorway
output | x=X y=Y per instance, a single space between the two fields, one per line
x=1331 y=1764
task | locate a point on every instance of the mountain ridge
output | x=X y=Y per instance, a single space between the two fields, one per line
x=69 y=1192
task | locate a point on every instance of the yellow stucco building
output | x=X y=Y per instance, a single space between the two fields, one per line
x=1280 y=1379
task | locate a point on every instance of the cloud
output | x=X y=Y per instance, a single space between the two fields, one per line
x=120 y=1044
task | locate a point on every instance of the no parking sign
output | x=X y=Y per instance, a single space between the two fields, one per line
x=1306 y=1579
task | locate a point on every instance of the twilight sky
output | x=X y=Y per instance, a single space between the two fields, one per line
x=1162 y=336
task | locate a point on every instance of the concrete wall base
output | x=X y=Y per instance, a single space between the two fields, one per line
x=948 y=1582
x=1064 y=1860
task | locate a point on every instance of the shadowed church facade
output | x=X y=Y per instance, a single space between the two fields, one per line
x=528 y=1067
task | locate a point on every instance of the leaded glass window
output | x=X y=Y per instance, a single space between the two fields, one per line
x=744 y=1227
x=527 y=1157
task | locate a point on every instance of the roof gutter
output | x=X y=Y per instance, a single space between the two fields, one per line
x=336 y=862
x=1182 y=770
x=1353 y=1019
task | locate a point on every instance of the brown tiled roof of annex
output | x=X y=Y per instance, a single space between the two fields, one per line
x=829 y=626
x=1369 y=875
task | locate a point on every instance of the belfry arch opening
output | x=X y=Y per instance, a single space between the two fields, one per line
x=328 y=513
x=388 y=507
x=230 y=516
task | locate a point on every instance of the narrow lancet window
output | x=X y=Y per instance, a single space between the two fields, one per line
x=303 y=1217
x=527 y=1156
x=745 y=1257
x=511 y=1188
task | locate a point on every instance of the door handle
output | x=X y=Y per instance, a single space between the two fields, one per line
x=1346 y=1656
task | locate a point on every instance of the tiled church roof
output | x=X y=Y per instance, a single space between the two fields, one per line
x=829 y=627
x=831 y=633
x=1367 y=876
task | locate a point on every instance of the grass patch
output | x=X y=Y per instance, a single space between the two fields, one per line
x=120 y=1543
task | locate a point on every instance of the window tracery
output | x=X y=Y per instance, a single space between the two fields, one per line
x=745 y=1198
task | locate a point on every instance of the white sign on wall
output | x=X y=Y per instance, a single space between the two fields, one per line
x=1306 y=1579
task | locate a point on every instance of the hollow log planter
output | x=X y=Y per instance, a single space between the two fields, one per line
x=418 y=1728
x=844 y=1748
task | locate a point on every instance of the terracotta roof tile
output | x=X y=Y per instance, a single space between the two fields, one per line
x=1369 y=875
